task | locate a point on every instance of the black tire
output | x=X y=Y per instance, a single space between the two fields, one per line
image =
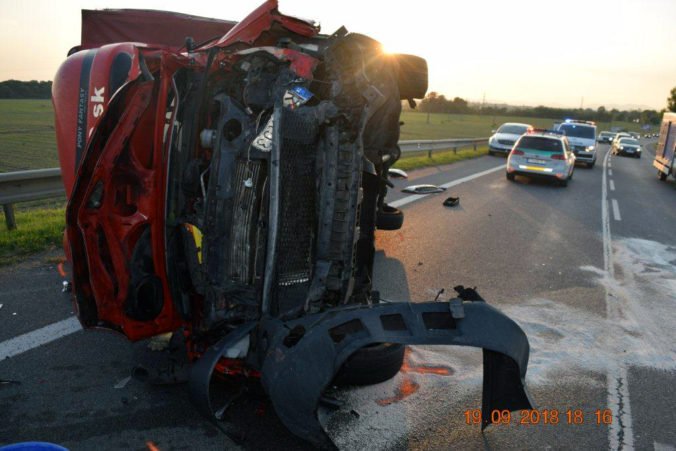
x=510 y=177
x=371 y=365
x=411 y=76
x=389 y=218
x=661 y=175
x=563 y=183
x=638 y=156
x=591 y=165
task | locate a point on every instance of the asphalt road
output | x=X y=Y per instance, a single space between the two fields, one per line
x=589 y=273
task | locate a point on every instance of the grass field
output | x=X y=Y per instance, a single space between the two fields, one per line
x=27 y=138
x=443 y=126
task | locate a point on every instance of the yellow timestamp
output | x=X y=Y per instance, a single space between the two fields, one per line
x=528 y=417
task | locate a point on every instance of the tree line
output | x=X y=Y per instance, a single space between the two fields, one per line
x=438 y=103
x=15 y=89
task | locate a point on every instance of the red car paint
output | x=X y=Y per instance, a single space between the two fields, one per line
x=110 y=127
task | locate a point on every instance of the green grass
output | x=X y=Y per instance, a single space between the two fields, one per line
x=36 y=231
x=442 y=126
x=27 y=139
x=439 y=157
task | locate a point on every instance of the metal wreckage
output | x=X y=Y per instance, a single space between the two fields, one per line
x=229 y=191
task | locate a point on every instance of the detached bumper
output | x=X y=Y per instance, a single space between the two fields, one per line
x=301 y=357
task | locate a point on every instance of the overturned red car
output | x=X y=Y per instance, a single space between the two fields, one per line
x=228 y=191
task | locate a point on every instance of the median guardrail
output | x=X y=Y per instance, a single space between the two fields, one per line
x=24 y=186
x=430 y=145
x=38 y=184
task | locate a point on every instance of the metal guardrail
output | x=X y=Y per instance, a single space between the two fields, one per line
x=23 y=186
x=431 y=145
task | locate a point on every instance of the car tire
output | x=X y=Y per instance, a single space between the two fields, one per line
x=371 y=365
x=389 y=218
x=638 y=156
x=661 y=175
x=563 y=183
x=591 y=165
x=510 y=177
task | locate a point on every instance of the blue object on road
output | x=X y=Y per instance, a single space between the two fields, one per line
x=33 y=446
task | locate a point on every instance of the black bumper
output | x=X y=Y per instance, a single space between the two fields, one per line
x=300 y=358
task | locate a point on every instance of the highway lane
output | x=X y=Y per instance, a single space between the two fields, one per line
x=533 y=249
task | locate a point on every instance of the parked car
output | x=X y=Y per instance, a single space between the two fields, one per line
x=582 y=140
x=627 y=146
x=505 y=136
x=227 y=193
x=605 y=137
x=542 y=154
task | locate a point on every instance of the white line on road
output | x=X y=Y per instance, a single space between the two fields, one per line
x=408 y=199
x=610 y=172
x=620 y=432
x=616 y=210
x=612 y=185
x=26 y=342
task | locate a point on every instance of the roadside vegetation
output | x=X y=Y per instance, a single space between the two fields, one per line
x=37 y=230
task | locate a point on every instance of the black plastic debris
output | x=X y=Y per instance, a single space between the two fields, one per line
x=397 y=173
x=452 y=201
x=424 y=189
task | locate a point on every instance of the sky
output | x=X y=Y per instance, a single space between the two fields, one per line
x=618 y=53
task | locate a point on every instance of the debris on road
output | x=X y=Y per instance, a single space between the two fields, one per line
x=397 y=173
x=122 y=383
x=452 y=201
x=423 y=189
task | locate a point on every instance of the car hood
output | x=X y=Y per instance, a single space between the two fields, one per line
x=509 y=136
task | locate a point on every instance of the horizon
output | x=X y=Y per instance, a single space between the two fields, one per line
x=599 y=61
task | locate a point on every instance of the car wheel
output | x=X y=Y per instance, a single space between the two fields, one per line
x=371 y=365
x=490 y=152
x=510 y=177
x=638 y=156
x=661 y=175
x=389 y=218
x=591 y=165
x=563 y=182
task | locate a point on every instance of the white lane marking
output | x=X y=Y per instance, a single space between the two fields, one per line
x=412 y=198
x=616 y=210
x=26 y=342
x=612 y=185
x=662 y=447
x=620 y=432
x=610 y=172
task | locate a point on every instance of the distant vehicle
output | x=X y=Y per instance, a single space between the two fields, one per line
x=504 y=137
x=627 y=146
x=542 y=154
x=605 y=137
x=582 y=140
x=620 y=136
x=666 y=144
x=635 y=135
